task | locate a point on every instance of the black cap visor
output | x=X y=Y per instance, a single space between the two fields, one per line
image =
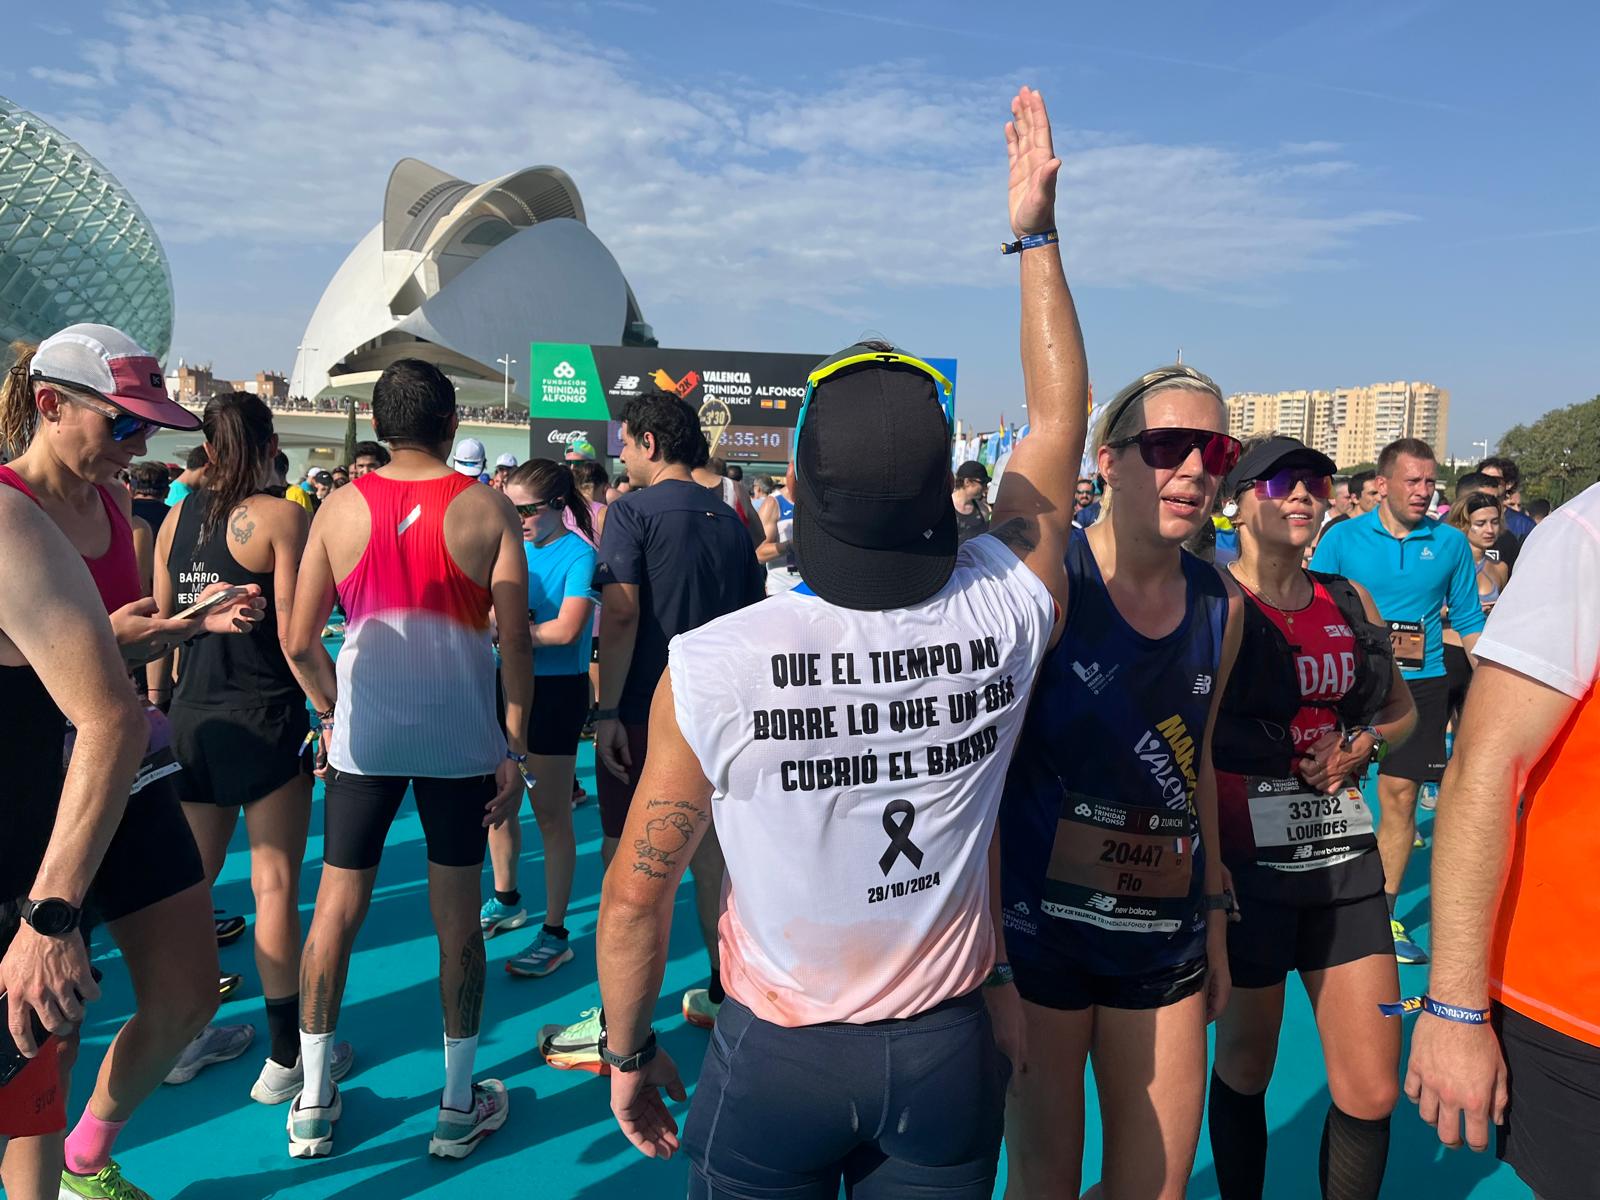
x=1271 y=456
x=874 y=577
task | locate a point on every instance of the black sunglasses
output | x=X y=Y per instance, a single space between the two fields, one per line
x=1166 y=449
x=536 y=507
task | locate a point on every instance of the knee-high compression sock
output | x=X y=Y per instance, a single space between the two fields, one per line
x=315 y=1052
x=89 y=1144
x=459 y=1054
x=1354 y=1154
x=283 y=1029
x=1238 y=1141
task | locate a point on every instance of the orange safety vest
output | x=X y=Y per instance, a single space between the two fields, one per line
x=1545 y=962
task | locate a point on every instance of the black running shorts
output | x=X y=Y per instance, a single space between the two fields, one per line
x=358 y=810
x=235 y=756
x=1550 y=1132
x=1269 y=940
x=891 y=1109
x=555 y=721
x=1421 y=757
x=1077 y=990
x=152 y=856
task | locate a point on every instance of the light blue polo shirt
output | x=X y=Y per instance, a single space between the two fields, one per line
x=1410 y=578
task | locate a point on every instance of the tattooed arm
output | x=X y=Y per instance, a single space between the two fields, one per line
x=666 y=824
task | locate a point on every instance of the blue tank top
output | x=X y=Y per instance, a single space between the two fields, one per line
x=1102 y=867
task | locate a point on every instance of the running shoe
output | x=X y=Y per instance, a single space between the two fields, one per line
x=278 y=1083
x=1406 y=951
x=105 y=1184
x=229 y=929
x=1429 y=799
x=311 y=1129
x=542 y=956
x=699 y=1009
x=579 y=796
x=574 y=1047
x=213 y=1044
x=457 y=1134
x=228 y=985
x=495 y=917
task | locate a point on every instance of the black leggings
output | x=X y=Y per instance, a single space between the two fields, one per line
x=359 y=809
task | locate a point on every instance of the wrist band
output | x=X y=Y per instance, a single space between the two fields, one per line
x=1446 y=1012
x=516 y=758
x=1030 y=241
x=606 y=714
x=1000 y=975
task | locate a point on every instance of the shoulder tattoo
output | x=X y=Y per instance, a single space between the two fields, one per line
x=1021 y=534
x=240 y=525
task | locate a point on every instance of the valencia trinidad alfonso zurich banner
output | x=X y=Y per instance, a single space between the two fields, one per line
x=747 y=401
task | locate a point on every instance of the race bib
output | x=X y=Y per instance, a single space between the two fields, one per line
x=1409 y=648
x=1120 y=868
x=1298 y=830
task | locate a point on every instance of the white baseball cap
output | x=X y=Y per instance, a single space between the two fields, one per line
x=506 y=460
x=469 y=457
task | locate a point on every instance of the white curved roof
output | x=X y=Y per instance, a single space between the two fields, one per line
x=463 y=274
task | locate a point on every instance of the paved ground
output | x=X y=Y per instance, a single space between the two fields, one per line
x=208 y=1140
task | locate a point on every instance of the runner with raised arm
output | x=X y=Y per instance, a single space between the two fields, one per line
x=855 y=777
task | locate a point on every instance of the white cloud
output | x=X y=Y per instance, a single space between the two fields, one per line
x=278 y=124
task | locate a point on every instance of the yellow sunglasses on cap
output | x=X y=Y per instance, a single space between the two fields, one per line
x=947 y=390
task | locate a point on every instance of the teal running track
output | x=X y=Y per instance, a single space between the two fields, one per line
x=206 y=1140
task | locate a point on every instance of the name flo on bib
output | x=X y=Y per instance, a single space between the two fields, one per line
x=941 y=714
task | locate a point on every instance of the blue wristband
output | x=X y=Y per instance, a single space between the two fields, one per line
x=1030 y=241
x=1446 y=1012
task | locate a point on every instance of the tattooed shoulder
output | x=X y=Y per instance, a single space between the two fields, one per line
x=240 y=525
x=1021 y=534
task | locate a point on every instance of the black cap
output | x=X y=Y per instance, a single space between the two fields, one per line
x=1258 y=462
x=973 y=469
x=874 y=527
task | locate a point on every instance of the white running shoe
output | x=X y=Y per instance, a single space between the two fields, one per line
x=311 y=1129
x=457 y=1134
x=213 y=1044
x=278 y=1083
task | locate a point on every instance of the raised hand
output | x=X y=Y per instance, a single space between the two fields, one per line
x=1034 y=165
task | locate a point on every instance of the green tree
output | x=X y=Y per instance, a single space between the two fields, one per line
x=1559 y=454
x=349 y=432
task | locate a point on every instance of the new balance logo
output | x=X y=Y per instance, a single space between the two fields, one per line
x=627 y=383
x=1301 y=852
x=1101 y=902
x=1202 y=685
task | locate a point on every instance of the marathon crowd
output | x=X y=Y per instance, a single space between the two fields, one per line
x=974 y=789
x=467 y=413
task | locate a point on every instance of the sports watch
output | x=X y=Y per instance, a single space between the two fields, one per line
x=626 y=1063
x=51 y=917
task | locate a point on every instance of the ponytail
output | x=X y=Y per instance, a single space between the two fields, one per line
x=546 y=477
x=19 y=415
x=238 y=428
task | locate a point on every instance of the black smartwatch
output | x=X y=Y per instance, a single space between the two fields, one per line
x=51 y=917
x=626 y=1063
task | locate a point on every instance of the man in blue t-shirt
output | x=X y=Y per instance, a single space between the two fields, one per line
x=1415 y=566
x=672 y=557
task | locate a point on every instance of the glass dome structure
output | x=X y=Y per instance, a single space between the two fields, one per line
x=74 y=245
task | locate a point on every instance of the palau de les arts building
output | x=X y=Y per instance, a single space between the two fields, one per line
x=463 y=274
x=74 y=245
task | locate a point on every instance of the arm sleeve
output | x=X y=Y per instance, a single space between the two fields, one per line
x=621 y=555
x=580 y=576
x=1546 y=625
x=1466 y=612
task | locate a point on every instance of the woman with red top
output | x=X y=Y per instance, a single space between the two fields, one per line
x=1315 y=695
x=76 y=410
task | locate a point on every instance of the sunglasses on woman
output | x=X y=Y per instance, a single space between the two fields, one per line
x=1167 y=449
x=536 y=507
x=1280 y=485
x=124 y=426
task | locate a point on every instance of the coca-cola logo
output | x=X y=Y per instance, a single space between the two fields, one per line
x=565 y=437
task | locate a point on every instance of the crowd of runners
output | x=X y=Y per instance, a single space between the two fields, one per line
x=978 y=782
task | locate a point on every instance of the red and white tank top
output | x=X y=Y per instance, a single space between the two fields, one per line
x=417 y=670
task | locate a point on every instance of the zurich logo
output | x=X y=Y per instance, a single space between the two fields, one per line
x=563 y=370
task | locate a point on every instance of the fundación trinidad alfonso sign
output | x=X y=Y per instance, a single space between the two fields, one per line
x=748 y=401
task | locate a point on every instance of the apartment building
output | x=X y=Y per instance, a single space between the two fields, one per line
x=1351 y=424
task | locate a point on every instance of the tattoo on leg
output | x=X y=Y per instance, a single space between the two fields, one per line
x=469 y=1000
x=1019 y=533
x=645 y=869
x=316 y=991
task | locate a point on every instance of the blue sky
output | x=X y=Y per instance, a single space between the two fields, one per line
x=1297 y=197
